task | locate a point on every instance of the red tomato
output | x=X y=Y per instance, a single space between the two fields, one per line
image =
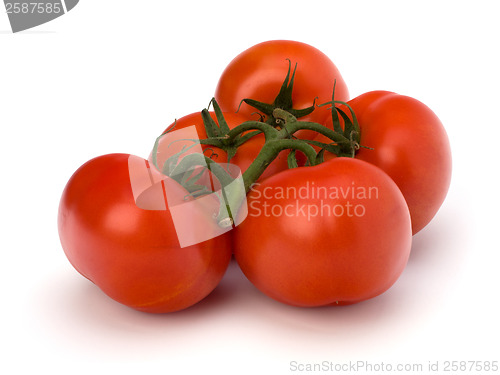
x=245 y=154
x=134 y=254
x=410 y=144
x=258 y=73
x=338 y=232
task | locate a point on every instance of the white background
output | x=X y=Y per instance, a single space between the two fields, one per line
x=110 y=75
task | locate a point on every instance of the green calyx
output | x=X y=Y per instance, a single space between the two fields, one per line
x=349 y=137
x=282 y=101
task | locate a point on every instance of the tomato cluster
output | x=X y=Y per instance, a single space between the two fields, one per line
x=315 y=195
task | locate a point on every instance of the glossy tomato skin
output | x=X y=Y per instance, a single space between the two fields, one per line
x=410 y=144
x=132 y=254
x=245 y=154
x=338 y=232
x=258 y=73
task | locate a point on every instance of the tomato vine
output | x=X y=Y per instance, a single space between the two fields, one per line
x=278 y=130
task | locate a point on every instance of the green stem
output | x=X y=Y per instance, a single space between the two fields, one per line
x=196 y=159
x=233 y=193
x=269 y=131
x=347 y=145
x=291 y=125
x=269 y=152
